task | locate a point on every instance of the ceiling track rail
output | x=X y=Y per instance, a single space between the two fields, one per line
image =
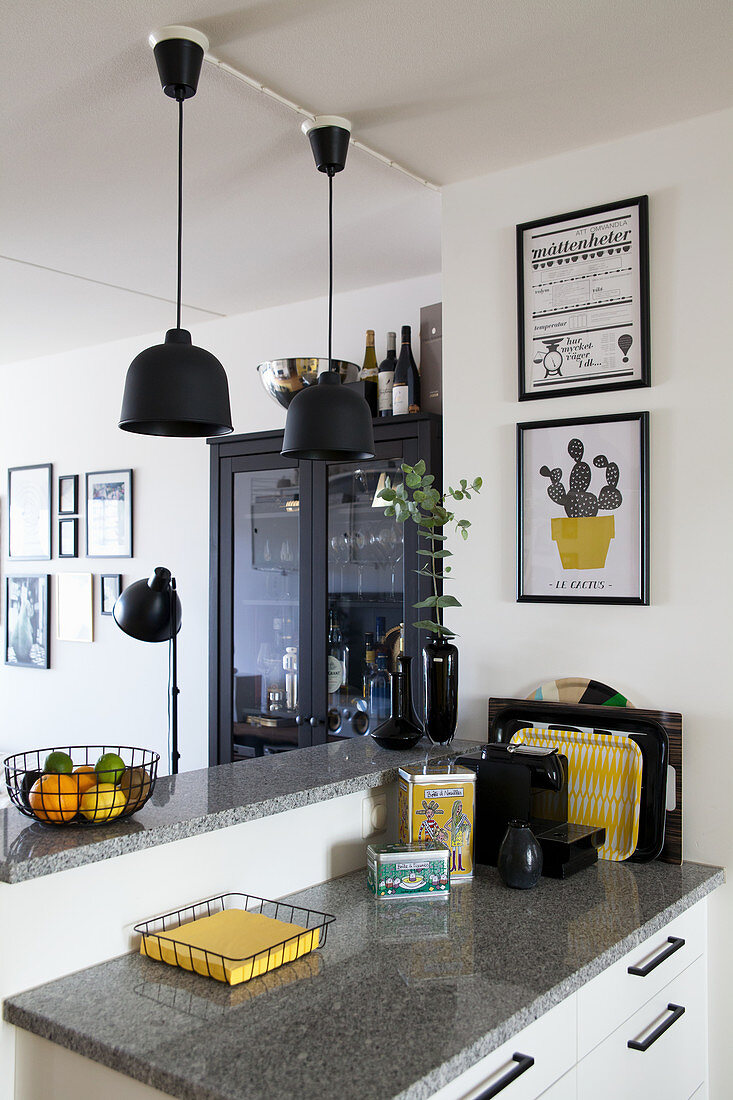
x=296 y=109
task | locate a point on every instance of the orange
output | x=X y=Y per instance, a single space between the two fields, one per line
x=54 y=797
x=86 y=777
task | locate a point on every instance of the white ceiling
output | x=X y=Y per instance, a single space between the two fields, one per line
x=448 y=88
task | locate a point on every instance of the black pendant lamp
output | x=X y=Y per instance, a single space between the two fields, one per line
x=176 y=388
x=329 y=421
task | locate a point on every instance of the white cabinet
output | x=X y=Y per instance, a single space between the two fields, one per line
x=654 y=998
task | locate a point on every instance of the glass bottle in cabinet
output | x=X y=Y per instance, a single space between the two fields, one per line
x=309 y=584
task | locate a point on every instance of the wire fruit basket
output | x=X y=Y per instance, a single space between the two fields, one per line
x=95 y=792
x=162 y=937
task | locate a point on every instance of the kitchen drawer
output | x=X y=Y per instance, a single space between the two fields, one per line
x=564 y=1089
x=551 y=1041
x=615 y=995
x=674 y=1064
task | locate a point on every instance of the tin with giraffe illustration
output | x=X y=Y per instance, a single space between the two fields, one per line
x=437 y=803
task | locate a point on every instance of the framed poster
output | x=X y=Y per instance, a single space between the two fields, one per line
x=26 y=621
x=74 y=608
x=583 y=301
x=583 y=510
x=109 y=514
x=110 y=588
x=69 y=495
x=29 y=512
x=69 y=537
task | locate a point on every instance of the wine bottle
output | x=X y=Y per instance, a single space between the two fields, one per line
x=369 y=374
x=385 y=380
x=338 y=658
x=406 y=388
x=381 y=644
x=370 y=661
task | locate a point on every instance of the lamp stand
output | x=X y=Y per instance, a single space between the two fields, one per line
x=175 y=755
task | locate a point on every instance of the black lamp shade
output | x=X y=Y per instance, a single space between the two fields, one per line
x=330 y=422
x=143 y=610
x=176 y=389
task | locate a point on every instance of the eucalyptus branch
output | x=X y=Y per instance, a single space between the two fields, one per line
x=416 y=498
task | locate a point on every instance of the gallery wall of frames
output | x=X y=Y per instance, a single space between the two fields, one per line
x=69 y=516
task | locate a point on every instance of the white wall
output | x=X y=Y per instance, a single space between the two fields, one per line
x=677 y=653
x=64 y=409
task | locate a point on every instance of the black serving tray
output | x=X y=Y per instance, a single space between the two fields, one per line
x=509 y=716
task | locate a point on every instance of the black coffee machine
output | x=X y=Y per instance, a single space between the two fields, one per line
x=528 y=783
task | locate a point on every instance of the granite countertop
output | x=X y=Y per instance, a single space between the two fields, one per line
x=402 y=998
x=212 y=798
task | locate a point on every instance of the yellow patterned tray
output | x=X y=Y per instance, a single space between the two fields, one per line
x=604 y=782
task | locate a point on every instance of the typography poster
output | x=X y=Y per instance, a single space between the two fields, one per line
x=583 y=297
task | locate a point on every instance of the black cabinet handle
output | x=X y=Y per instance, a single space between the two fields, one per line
x=676 y=1010
x=524 y=1062
x=675 y=943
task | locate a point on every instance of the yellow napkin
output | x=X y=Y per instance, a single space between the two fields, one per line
x=232 y=938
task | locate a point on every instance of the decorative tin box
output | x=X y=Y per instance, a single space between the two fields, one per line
x=408 y=870
x=436 y=802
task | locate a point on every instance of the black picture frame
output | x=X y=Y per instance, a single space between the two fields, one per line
x=581 y=576
x=29 y=512
x=68 y=483
x=598 y=327
x=110 y=586
x=68 y=524
x=101 y=529
x=27 y=642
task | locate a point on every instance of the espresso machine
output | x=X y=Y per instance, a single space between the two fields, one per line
x=528 y=783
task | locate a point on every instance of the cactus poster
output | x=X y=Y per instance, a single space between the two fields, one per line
x=583 y=282
x=583 y=509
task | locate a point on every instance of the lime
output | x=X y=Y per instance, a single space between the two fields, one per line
x=110 y=768
x=59 y=762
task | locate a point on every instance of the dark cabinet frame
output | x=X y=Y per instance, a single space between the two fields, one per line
x=419 y=437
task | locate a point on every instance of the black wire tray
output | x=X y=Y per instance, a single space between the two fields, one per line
x=59 y=803
x=157 y=942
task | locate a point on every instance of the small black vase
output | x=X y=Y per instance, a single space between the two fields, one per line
x=401 y=730
x=520 y=857
x=440 y=676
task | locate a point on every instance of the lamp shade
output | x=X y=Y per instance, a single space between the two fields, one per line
x=176 y=389
x=329 y=421
x=143 y=610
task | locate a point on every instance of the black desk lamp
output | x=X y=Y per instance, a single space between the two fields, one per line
x=150 y=611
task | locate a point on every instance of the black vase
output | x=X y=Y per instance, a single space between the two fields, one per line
x=520 y=857
x=401 y=730
x=440 y=675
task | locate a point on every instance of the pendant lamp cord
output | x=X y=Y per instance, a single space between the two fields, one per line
x=179 y=97
x=330 y=268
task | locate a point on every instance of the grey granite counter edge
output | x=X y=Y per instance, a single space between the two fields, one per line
x=420 y=1090
x=448 y=1071
x=122 y=845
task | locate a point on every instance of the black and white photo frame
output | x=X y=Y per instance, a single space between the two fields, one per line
x=583 y=510
x=109 y=514
x=110 y=586
x=29 y=512
x=27 y=621
x=583 y=301
x=68 y=495
x=68 y=537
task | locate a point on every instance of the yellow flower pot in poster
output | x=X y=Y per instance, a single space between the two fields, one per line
x=583 y=541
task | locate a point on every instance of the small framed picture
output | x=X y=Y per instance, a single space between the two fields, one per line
x=109 y=514
x=69 y=538
x=69 y=495
x=583 y=510
x=74 y=609
x=29 y=512
x=583 y=301
x=111 y=586
x=26 y=621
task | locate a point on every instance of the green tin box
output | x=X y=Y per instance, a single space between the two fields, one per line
x=409 y=870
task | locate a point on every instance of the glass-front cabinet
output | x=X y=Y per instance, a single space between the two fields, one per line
x=311 y=590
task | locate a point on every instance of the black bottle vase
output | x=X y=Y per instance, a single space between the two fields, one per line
x=401 y=730
x=440 y=676
x=520 y=857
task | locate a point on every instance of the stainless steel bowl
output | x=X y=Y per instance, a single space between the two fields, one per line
x=283 y=378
